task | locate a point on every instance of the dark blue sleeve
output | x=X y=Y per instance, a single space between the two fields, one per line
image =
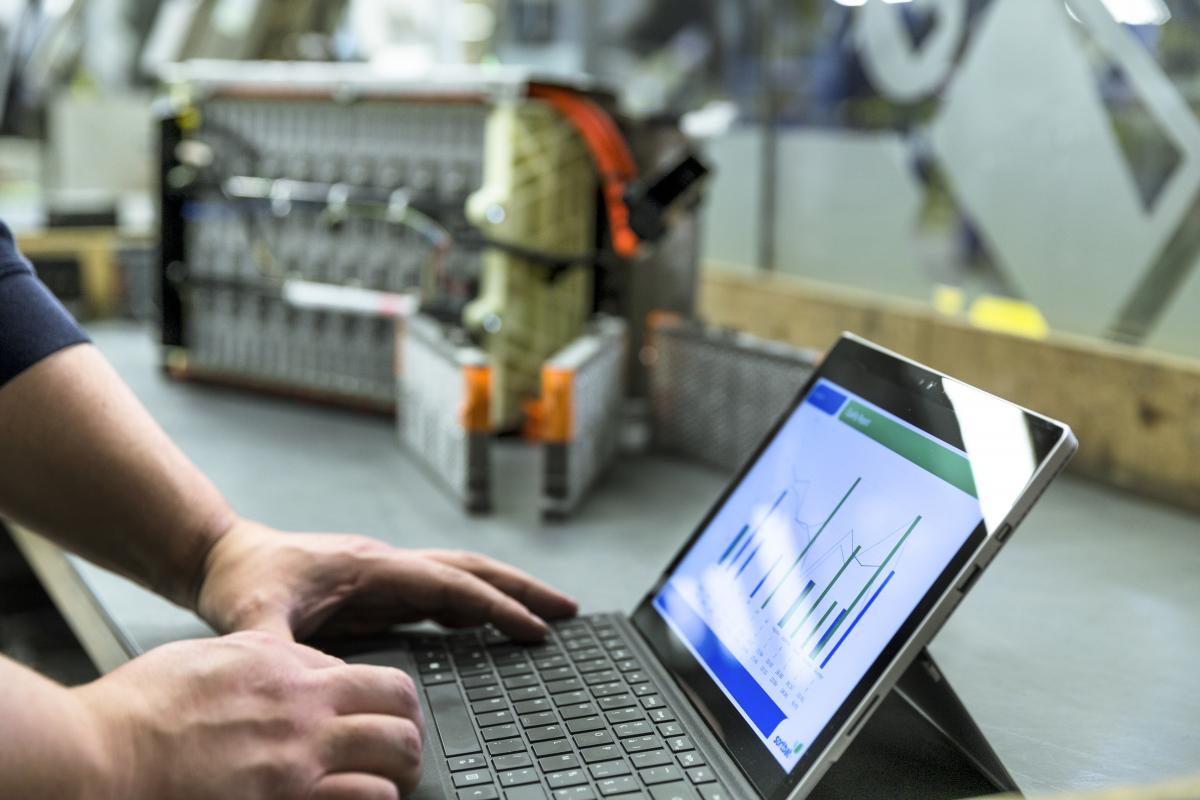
x=33 y=324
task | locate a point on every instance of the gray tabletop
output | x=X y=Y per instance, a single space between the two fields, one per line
x=1077 y=652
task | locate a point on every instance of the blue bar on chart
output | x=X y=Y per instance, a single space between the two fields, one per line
x=749 y=558
x=796 y=605
x=856 y=619
x=733 y=544
x=766 y=575
x=825 y=636
x=724 y=665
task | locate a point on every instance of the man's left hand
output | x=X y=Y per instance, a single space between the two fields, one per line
x=292 y=585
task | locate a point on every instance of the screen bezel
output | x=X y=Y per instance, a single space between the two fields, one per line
x=912 y=393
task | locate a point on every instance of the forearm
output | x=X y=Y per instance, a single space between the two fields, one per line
x=48 y=744
x=83 y=463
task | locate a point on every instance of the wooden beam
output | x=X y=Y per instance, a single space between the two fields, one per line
x=1136 y=412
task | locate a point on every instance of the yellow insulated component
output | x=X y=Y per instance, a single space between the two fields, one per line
x=538 y=193
x=1006 y=315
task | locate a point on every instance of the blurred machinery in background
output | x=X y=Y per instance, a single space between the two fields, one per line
x=442 y=410
x=582 y=413
x=308 y=207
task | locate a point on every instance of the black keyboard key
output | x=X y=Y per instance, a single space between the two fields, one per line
x=493 y=718
x=530 y=791
x=551 y=747
x=566 y=761
x=434 y=678
x=464 y=779
x=506 y=746
x=623 y=700
x=544 y=733
x=701 y=775
x=680 y=744
x=571 y=698
x=490 y=704
x=614 y=786
x=590 y=654
x=513 y=761
x=532 y=706
x=713 y=791
x=500 y=732
x=690 y=759
x=578 y=710
x=634 y=674
x=661 y=714
x=644 y=689
x=565 y=685
x=539 y=719
x=473 y=668
x=485 y=693
x=620 y=655
x=487 y=679
x=670 y=729
x=628 y=665
x=526 y=693
x=623 y=715
x=517 y=777
x=564 y=778
x=520 y=681
x=466 y=762
x=595 y=665
x=517 y=668
x=673 y=791
x=557 y=673
x=611 y=642
x=603 y=676
x=479 y=793
x=664 y=774
x=585 y=724
x=592 y=738
x=579 y=642
x=608 y=769
x=651 y=758
x=551 y=662
x=470 y=655
x=639 y=728
x=604 y=752
x=452 y=720
x=575 y=793
x=640 y=744
x=608 y=689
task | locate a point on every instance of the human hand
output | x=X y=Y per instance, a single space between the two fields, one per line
x=253 y=717
x=256 y=578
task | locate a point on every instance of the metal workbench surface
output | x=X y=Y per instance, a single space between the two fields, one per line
x=1077 y=652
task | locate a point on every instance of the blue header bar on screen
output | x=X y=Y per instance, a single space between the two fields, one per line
x=826 y=398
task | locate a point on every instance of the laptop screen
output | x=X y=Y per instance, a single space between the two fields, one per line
x=816 y=559
x=836 y=540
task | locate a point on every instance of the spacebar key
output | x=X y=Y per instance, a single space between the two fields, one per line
x=453 y=722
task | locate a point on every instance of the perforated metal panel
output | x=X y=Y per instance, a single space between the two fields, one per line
x=715 y=393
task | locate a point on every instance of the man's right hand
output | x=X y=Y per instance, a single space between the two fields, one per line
x=257 y=717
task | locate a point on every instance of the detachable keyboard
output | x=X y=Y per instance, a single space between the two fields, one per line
x=573 y=718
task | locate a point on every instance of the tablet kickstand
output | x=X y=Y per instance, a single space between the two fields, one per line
x=920 y=743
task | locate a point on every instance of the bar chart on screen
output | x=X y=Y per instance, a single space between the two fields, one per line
x=811 y=565
x=804 y=578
